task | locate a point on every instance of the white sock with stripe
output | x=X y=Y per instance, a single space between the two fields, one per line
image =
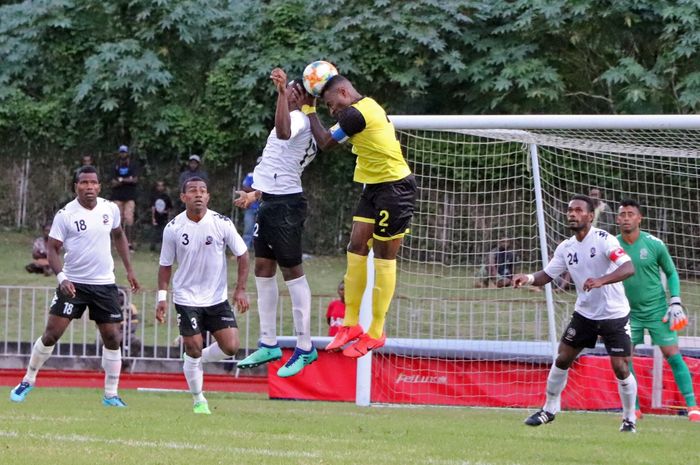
x=194 y=374
x=40 y=354
x=300 y=294
x=268 y=295
x=628 y=395
x=112 y=365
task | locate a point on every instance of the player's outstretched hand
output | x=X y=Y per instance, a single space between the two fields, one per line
x=244 y=199
x=675 y=316
x=161 y=308
x=240 y=300
x=592 y=283
x=67 y=288
x=302 y=97
x=135 y=286
x=520 y=280
x=279 y=77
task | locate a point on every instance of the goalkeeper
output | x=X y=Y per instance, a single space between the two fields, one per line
x=647 y=298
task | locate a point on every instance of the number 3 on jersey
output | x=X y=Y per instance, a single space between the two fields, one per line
x=572 y=259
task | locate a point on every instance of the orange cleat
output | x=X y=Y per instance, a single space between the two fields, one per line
x=639 y=414
x=694 y=414
x=344 y=335
x=364 y=345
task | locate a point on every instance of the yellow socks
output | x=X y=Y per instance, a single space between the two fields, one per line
x=384 y=284
x=355 y=283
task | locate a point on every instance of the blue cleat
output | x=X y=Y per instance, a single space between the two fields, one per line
x=297 y=362
x=114 y=401
x=19 y=393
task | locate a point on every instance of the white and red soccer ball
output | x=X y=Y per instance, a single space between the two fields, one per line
x=316 y=76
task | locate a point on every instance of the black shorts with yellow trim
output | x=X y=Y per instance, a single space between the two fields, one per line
x=388 y=206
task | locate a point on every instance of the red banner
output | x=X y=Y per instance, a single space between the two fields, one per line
x=331 y=377
x=398 y=379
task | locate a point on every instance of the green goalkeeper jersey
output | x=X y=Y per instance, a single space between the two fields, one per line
x=644 y=289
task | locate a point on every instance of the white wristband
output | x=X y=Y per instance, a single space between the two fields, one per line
x=530 y=279
x=61 y=276
x=162 y=295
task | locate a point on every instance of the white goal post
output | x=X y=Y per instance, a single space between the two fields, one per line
x=499 y=184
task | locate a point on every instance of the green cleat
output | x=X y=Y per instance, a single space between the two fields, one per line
x=202 y=408
x=263 y=355
x=297 y=362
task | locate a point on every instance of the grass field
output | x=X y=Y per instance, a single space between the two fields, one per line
x=69 y=426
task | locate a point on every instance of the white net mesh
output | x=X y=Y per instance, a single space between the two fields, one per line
x=476 y=206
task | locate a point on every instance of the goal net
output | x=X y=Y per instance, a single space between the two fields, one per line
x=488 y=197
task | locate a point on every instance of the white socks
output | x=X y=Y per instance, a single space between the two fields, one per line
x=40 y=354
x=268 y=295
x=213 y=353
x=112 y=365
x=556 y=382
x=301 y=310
x=628 y=393
x=194 y=374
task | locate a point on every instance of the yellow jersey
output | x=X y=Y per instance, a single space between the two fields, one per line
x=379 y=158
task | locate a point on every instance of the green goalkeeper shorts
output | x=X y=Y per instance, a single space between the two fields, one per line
x=661 y=334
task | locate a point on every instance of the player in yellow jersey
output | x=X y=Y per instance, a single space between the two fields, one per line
x=383 y=214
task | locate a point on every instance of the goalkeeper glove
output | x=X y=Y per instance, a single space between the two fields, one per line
x=675 y=316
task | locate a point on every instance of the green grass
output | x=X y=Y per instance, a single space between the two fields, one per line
x=69 y=426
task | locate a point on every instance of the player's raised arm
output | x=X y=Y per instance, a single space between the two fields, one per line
x=617 y=255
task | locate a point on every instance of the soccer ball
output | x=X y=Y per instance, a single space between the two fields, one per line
x=316 y=75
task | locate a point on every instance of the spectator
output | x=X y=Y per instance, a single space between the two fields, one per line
x=131 y=343
x=40 y=258
x=85 y=160
x=251 y=211
x=125 y=178
x=602 y=214
x=336 y=311
x=499 y=267
x=160 y=213
x=193 y=170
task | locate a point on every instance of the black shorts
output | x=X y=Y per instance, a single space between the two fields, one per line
x=192 y=320
x=101 y=299
x=278 y=228
x=616 y=334
x=388 y=206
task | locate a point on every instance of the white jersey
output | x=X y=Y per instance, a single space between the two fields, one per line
x=200 y=251
x=279 y=171
x=87 y=240
x=598 y=254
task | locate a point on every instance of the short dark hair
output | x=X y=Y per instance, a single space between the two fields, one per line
x=333 y=82
x=183 y=188
x=631 y=203
x=587 y=199
x=85 y=169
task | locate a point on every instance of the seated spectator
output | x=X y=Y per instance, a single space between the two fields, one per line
x=130 y=325
x=40 y=257
x=160 y=213
x=499 y=267
x=336 y=311
x=194 y=169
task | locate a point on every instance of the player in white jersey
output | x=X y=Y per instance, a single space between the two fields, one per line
x=84 y=228
x=197 y=239
x=597 y=265
x=278 y=229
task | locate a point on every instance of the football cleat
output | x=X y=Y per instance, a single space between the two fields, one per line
x=297 y=362
x=639 y=414
x=628 y=427
x=344 y=335
x=694 y=414
x=19 y=393
x=201 y=408
x=539 y=418
x=261 y=356
x=113 y=401
x=363 y=345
